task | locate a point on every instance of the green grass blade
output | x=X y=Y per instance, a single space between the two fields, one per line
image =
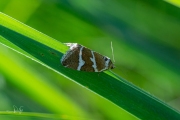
x=45 y=116
x=48 y=52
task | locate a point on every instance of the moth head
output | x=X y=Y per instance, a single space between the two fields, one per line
x=111 y=65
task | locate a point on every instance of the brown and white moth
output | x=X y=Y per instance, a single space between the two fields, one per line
x=81 y=58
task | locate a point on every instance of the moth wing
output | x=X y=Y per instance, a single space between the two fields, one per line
x=70 y=59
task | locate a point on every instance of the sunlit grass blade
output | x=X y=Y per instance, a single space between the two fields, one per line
x=48 y=52
x=44 y=116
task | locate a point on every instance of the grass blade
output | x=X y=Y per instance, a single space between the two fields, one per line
x=48 y=52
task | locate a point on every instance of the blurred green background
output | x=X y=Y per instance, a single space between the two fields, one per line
x=145 y=36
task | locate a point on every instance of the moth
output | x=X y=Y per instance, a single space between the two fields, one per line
x=80 y=58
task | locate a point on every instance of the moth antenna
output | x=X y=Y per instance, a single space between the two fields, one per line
x=112 y=52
